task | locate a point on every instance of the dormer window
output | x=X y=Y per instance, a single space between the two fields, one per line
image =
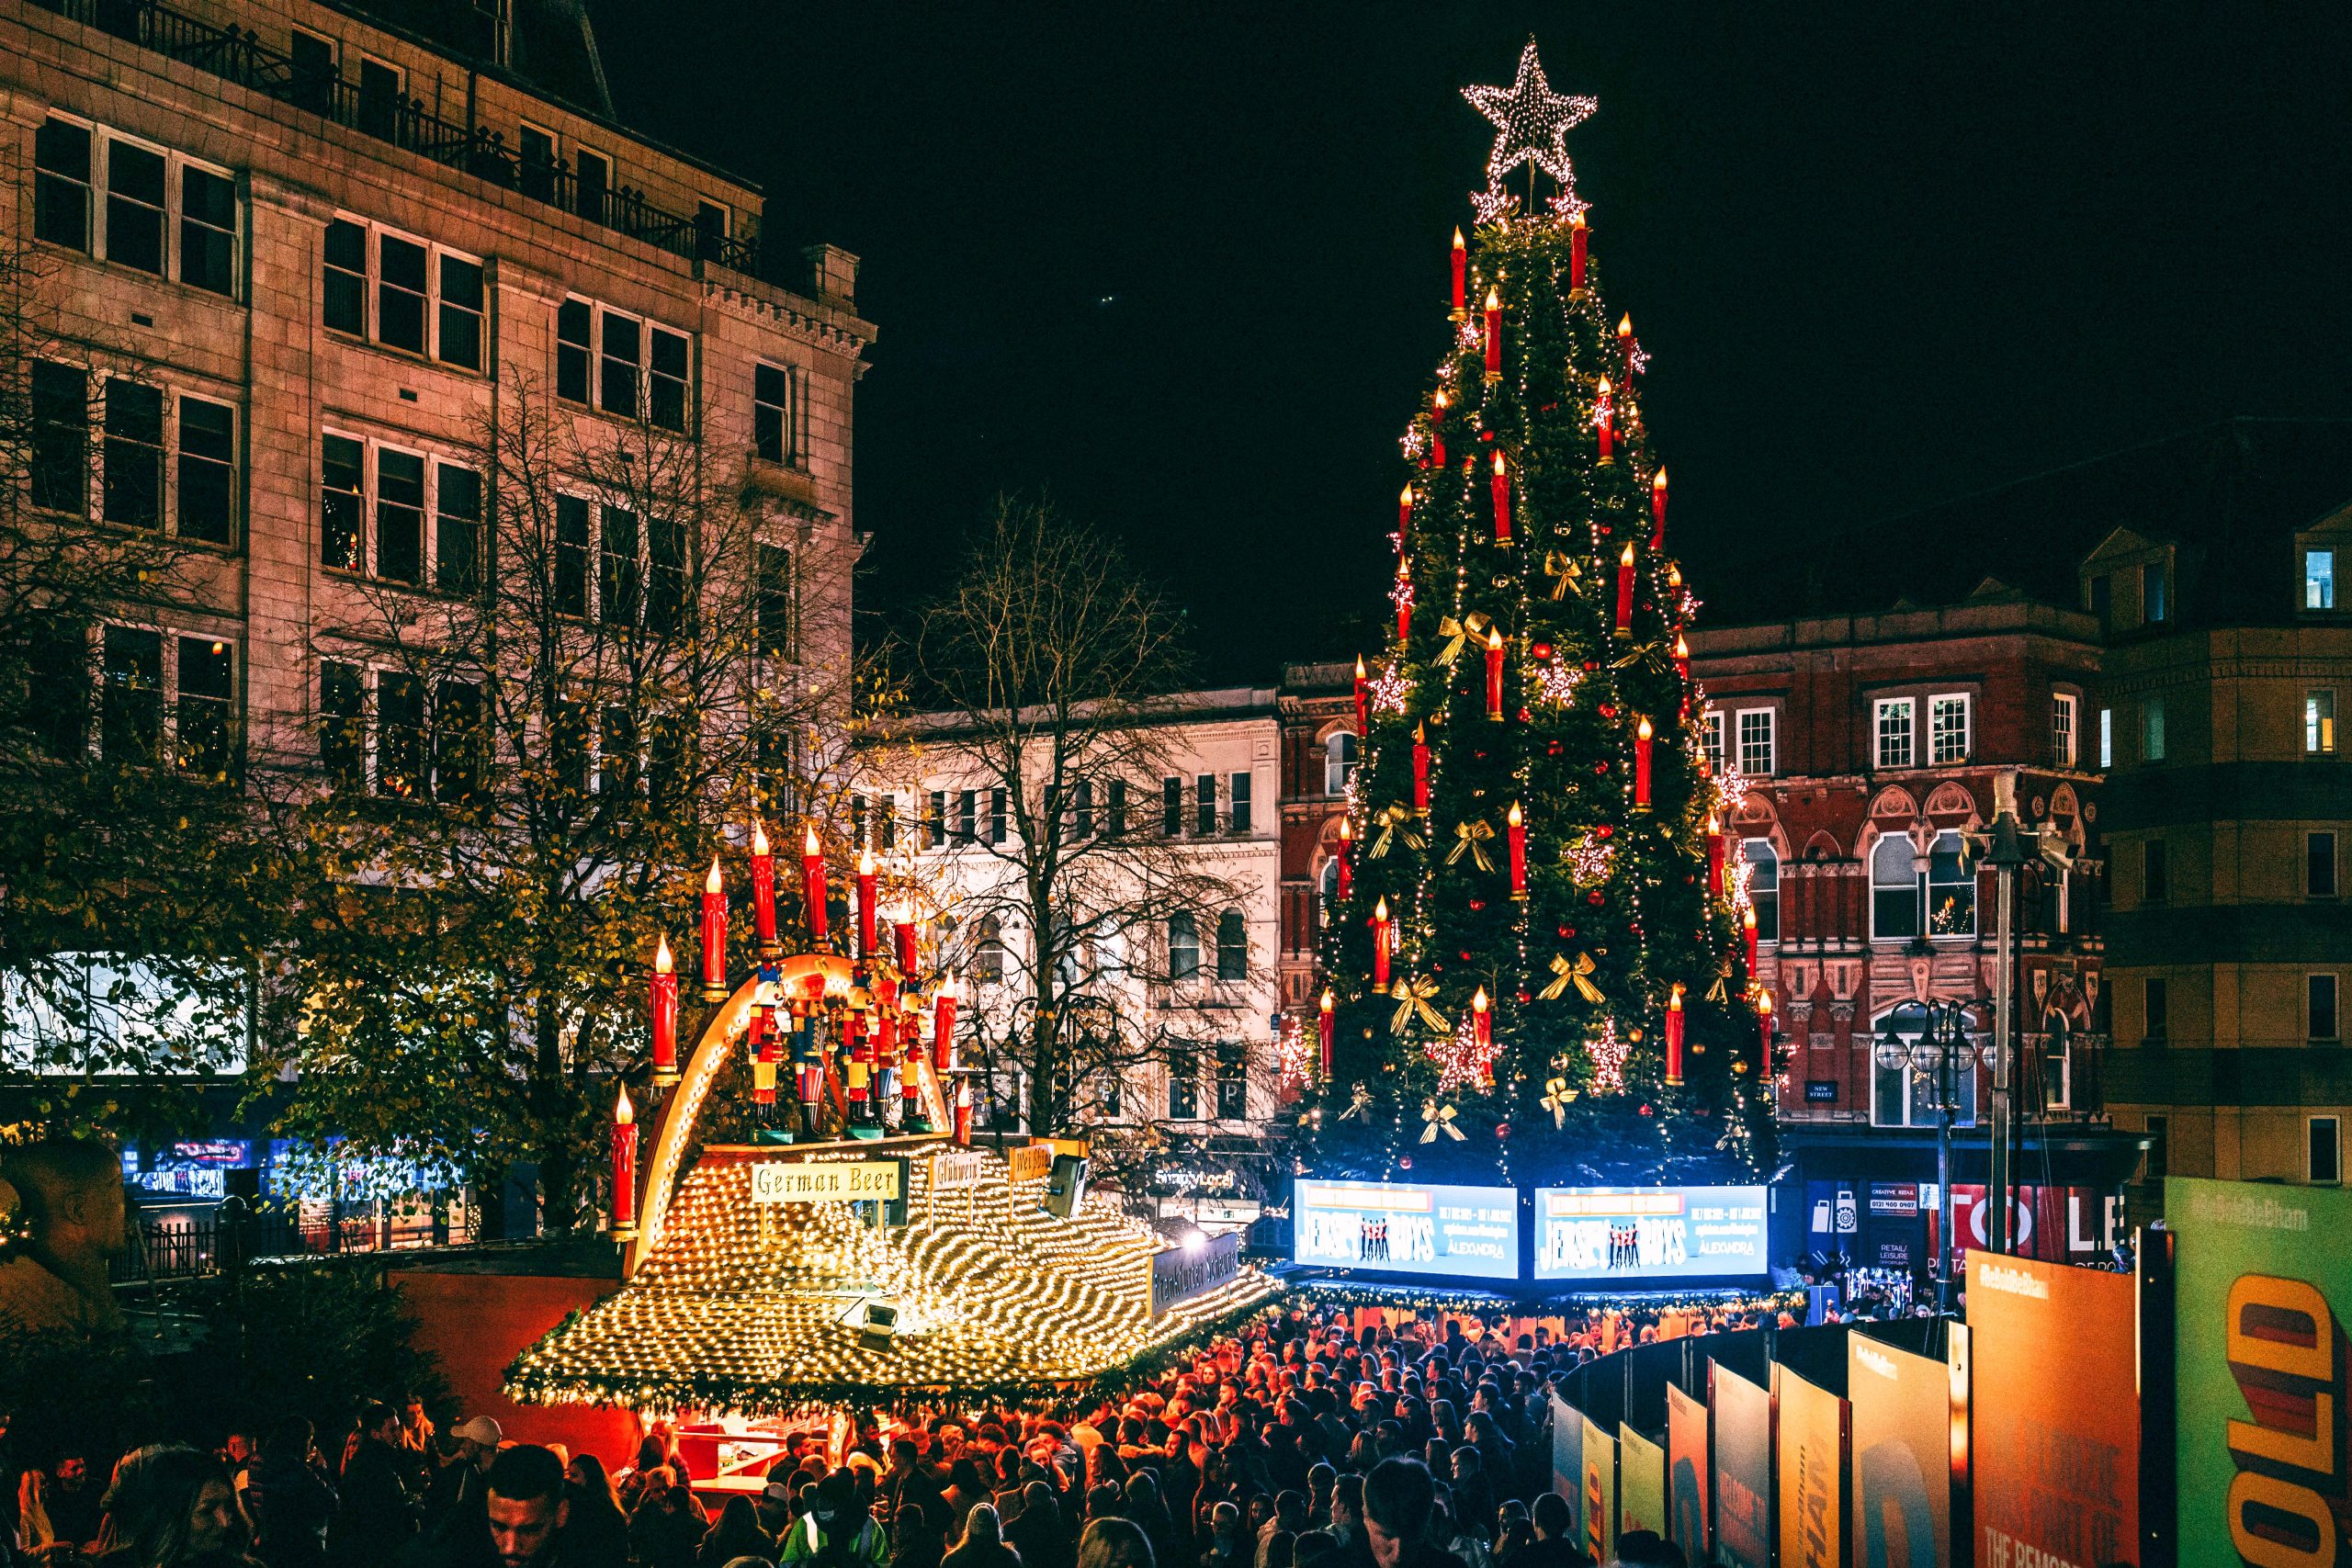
x=2319 y=579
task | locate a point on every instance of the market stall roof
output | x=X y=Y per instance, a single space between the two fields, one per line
x=761 y=1307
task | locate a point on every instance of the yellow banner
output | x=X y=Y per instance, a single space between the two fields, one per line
x=825 y=1181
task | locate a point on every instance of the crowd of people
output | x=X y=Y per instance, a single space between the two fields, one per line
x=1300 y=1441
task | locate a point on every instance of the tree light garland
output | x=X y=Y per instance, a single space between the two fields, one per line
x=1608 y=1054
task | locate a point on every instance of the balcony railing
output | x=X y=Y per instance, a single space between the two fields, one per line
x=199 y=1244
x=240 y=56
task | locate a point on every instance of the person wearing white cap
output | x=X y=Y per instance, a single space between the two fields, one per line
x=460 y=1484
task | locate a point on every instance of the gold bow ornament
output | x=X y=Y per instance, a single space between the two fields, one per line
x=1565 y=974
x=1562 y=569
x=1472 y=836
x=1438 y=1119
x=1394 y=821
x=1359 y=1104
x=1457 y=633
x=1557 y=1096
x=1412 y=997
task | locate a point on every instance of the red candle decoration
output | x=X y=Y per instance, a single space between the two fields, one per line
x=665 y=1014
x=1421 y=769
x=1346 y=855
x=1501 y=487
x=1715 y=855
x=1674 y=1037
x=902 y=932
x=1642 y=743
x=1682 y=658
x=1494 y=337
x=1747 y=935
x=624 y=1168
x=1515 y=829
x=1437 y=430
x=963 y=1113
x=714 y=937
x=1363 y=700
x=868 y=916
x=1482 y=1021
x=812 y=883
x=943 y=1028
x=1658 y=510
x=1578 y=236
x=1625 y=589
x=1604 y=424
x=1380 y=930
x=763 y=892
x=1460 y=272
x=1404 y=513
x=1764 y=1027
x=1403 y=594
x=1625 y=348
x=1326 y=1025
x=1495 y=674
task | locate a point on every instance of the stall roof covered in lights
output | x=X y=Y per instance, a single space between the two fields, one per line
x=761 y=1308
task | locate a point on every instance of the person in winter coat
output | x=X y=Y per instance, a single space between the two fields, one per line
x=983 y=1543
x=288 y=1499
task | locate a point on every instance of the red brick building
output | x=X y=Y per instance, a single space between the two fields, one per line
x=1869 y=745
x=1319 y=748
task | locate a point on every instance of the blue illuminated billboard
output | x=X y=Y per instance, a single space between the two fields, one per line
x=1648 y=1233
x=1390 y=1227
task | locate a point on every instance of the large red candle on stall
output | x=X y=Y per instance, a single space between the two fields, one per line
x=1604 y=424
x=1658 y=510
x=1346 y=856
x=1578 y=236
x=1460 y=272
x=624 y=1168
x=812 y=883
x=1747 y=935
x=1515 y=830
x=1404 y=600
x=1482 y=1020
x=868 y=916
x=1625 y=348
x=664 y=1007
x=943 y=1027
x=902 y=932
x=1494 y=337
x=1715 y=855
x=1625 y=589
x=763 y=892
x=1326 y=1025
x=1501 y=488
x=1642 y=744
x=1421 y=769
x=1764 y=1027
x=1673 y=1036
x=1380 y=927
x=1495 y=674
x=1363 y=700
x=1437 y=430
x=714 y=937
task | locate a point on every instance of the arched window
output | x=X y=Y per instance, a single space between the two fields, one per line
x=1895 y=890
x=1763 y=887
x=1951 y=887
x=1183 y=947
x=1232 y=946
x=987 y=950
x=1339 y=762
x=1330 y=881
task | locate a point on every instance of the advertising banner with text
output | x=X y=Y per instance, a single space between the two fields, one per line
x=1568 y=1461
x=1641 y=1484
x=2261 y=1287
x=1599 y=1490
x=1666 y=1233
x=2056 y=1402
x=1812 y=1472
x=1742 y=1413
x=1902 y=1481
x=1685 y=1474
x=1394 y=1227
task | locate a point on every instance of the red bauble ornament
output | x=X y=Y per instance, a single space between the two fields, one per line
x=1648 y=1111
x=1603 y=830
x=1605 y=529
x=1567 y=931
x=1609 y=710
x=1524 y=998
x=1502 y=1132
x=1465 y=956
x=1524 y=716
x=1542 y=651
x=1599 y=768
x=1476 y=904
x=1591 y=664
x=1552 y=749
x=1593 y=898
x=1404 y=1162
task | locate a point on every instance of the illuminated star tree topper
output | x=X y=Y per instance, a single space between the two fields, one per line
x=1532 y=128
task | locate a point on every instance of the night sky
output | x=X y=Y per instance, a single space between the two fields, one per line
x=1183 y=266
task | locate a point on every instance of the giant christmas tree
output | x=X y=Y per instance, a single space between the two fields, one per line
x=1537 y=961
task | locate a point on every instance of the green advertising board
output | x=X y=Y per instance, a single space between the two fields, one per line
x=2262 y=1287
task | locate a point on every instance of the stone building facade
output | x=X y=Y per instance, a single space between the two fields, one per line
x=292 y=248
x=1319 y=751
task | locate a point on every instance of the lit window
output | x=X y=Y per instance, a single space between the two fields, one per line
x=2319 y=723
x=1896 y=731
x=1339 y=762
x=2061 y=730
x=1948 y=729
x=1710 y=730
x=1951 y=887
x=1757 y=748
x=2151 y=591
x=2151 y=730
x=2319 y=579
x=2107 y=738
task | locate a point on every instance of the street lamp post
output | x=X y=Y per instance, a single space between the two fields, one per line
x=1941 y=1054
